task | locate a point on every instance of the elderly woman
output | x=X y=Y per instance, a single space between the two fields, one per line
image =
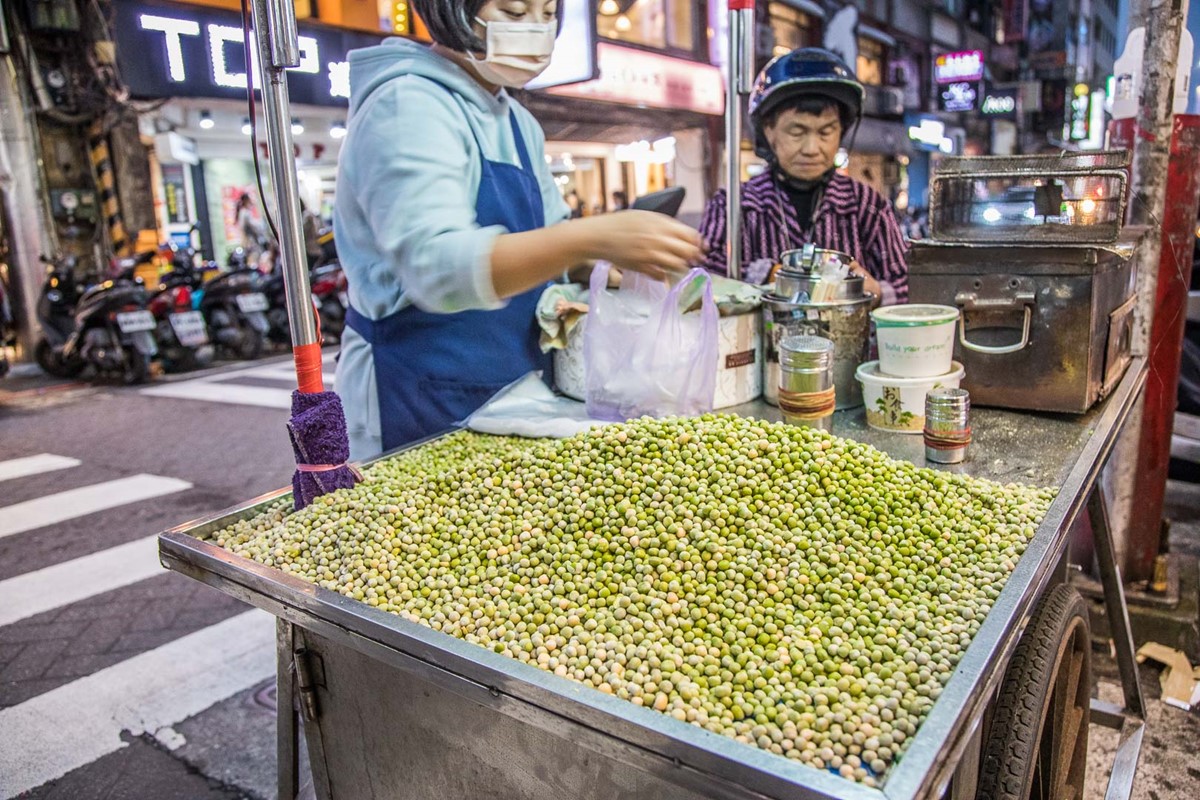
x=449 y=224
x=802 y=106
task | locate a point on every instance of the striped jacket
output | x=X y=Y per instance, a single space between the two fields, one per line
x=851 y=217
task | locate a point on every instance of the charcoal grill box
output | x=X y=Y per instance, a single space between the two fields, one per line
x=1043 y=327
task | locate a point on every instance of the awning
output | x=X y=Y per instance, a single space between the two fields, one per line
x=876 y=34
x=807 y=6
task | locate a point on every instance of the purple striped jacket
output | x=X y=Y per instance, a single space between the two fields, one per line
x=851 y=217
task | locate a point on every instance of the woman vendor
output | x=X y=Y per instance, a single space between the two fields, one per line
x=801 y=108
x=449 y=223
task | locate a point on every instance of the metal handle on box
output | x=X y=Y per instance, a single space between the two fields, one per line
x=969 y=301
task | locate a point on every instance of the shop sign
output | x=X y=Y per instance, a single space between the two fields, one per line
x=175 y=194
x=184 y=51
x=574 y=57
x=999 y=103
x=639 y=78
x=964 y=66
x=929 y=133
x=960 y=96
x=1079 y=113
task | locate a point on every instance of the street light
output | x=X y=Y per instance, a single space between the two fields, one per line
x=297 y=126
x=246 y=128
x=206 y=121
x=337 y=130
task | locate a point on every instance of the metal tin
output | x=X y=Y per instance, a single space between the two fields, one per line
x=847 y=323
x=806 y=375
x=1046 y=328
x=947 y=425
x=800 y=273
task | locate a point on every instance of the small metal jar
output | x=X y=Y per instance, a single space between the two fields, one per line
x=806 y=389
x=947 y=425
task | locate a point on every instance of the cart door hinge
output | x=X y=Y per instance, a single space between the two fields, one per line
x=308 y=670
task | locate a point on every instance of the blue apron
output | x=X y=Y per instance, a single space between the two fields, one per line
x=433 y=370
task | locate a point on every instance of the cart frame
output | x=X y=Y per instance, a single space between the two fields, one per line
x=941 y=760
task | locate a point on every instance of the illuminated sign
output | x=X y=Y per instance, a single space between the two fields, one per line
x=1079 y=113
x=959 y=96
x=999 y=103
x=957 y=67
x=181 y=51
x=930 y=134
x=639 y=78
x=574 y=58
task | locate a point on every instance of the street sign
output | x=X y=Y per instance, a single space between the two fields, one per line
x=999 y=103
x=958 y=67
x=959 y=96
x=1079 y=113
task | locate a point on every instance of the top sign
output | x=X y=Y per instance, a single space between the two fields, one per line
x=574 y=58
x=999 y=103
x=185 y=51
x=957 y=67
x=639 y=78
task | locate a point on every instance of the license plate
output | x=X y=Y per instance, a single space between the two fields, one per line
x=189 y=328
x=252 y=301
x=135 y=321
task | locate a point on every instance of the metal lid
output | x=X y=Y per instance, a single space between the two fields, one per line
x=948 y=404
x=806 y=352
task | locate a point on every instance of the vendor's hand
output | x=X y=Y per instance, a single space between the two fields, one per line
x=644 y=241
x=870 y=285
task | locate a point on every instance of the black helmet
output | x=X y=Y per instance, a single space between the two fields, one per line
x=804 y=71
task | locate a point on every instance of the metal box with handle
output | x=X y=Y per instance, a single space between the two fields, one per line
x=1043 y=327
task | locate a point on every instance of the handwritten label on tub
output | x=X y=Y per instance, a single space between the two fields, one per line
x=908 y=348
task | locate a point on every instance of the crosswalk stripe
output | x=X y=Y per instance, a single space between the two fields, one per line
x=71 y=581
x=35 y=465
x=71 y=726
x=223 y=392
x=62 y=506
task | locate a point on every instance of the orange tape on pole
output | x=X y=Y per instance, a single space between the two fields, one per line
x=308 y=368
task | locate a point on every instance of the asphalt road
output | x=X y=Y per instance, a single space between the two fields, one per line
x=119 y=679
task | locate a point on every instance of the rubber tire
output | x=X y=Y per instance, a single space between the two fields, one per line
x=137 y=367
x=1022 y=708
x=53 y=363
x=251 y=345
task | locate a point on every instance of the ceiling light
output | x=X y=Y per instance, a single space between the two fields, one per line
x=610 y=8
x=206 y=120
x=297 y=127
x=623 y=24
x=246 y=129
x=337 y=130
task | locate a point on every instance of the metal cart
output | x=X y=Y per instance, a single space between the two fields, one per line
x=392 y=709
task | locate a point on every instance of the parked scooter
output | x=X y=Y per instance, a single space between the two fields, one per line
x=8 y=327
x=234 y=308
x=56 y=315
x=328 y=286
x=180 y=330
x=113 y=331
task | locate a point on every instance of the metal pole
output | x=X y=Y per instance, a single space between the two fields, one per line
x=738 y=82
x=278 y=50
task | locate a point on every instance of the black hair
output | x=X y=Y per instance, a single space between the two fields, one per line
x=450 y=22
x=815 y=104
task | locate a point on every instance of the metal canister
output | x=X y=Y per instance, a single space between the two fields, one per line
x=843 y=318
x=947 y=425
x=806 y=391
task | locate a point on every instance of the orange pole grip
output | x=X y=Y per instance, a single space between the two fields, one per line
x=308 y=368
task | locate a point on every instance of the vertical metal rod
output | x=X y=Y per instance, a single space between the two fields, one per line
x=740 y=68
x=278 y=116
x=1114 y=603
x=287 y=742
x=285 y=39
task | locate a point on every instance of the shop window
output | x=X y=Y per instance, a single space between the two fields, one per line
x=654 y=23
x=791 y=29
x=871 y=61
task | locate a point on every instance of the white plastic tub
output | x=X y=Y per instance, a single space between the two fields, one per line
x=915 y=341
x=898 y=404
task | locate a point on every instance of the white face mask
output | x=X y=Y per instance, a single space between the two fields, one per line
x=517 y=52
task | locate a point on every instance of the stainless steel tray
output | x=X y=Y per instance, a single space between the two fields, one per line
x=1067 y=452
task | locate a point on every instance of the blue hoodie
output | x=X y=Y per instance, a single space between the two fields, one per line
x=404 y=218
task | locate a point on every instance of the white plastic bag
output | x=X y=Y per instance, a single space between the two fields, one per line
x=642 y=355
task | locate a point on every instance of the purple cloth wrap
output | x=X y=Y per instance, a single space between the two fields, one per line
x=317 y=429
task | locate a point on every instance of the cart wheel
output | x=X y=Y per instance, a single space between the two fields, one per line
x=1037 y=744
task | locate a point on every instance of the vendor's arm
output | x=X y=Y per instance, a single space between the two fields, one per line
x=410 y=186
x=886 y=252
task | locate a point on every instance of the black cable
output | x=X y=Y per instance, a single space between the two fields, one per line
x=262 y=195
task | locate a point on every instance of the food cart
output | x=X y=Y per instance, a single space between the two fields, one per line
x=391 y=708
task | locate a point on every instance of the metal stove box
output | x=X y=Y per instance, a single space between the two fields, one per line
x=1043 y=327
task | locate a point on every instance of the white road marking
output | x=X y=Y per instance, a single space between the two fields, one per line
x=72 y=726
x=35 y=465
x=223 y=392
x=71 y=581
x=62 y=506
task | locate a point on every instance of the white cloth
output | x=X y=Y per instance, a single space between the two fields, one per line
x=529 y=409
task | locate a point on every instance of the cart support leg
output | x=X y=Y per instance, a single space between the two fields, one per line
x=286 y=729
x=1130 y=720
x=1114 y=602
